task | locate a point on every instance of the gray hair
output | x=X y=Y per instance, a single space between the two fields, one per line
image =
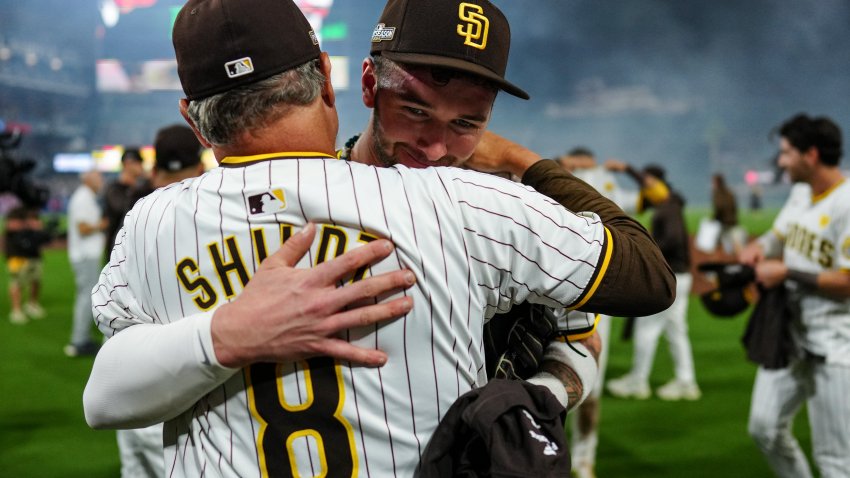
x=223 y=117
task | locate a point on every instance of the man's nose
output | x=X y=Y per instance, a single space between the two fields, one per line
x=432 y=142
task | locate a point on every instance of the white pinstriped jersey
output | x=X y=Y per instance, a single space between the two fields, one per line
x=477 y=244
x=603 y=181
x=816 y=235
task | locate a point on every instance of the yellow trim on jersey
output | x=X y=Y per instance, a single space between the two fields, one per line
x=352 y=447
x=778 y=234
x=602 y=269
x=580 y=335
x=235 y=160
x=252 y=405
x=816 y=198
x=308 y=386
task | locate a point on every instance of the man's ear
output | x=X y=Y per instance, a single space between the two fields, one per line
x=328 y=94
x=812 y=156
x=184 y=111
x=369 y=83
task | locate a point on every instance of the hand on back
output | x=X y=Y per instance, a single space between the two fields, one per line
x=286 y=314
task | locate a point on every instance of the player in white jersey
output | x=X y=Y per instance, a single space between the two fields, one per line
x=238 y=404
x=808 y=249
x=585 y=423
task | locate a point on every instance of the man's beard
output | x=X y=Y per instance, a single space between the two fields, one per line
x=385 y=154
x=379 y=144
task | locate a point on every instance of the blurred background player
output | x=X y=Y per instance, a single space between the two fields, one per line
x=725 y=211
x=585 y=422
x=118 y=194
x=25 y=236
x=86 y=239
x=808 y=249
x=668 y=229
x=178 y=157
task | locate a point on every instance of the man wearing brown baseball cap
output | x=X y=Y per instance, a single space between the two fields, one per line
x=267 y=380
x=451 y=57
x=431 y=81
x=433 y=66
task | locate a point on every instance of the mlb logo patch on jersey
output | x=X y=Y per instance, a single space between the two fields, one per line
x=267 y=202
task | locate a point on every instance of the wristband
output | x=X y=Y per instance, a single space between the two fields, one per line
x=579 y=359
x=551 y=382
x=808 y=280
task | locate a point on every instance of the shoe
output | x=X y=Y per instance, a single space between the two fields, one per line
x=18 y=317
x=34 y=310
x=85 y=350
x=678 y=390
x=584 y=470
x=628 y=386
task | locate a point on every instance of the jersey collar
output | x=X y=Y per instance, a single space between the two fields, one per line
x=816 y=198
x=236 y=161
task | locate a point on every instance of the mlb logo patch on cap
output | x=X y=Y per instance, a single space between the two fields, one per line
x=240 y=67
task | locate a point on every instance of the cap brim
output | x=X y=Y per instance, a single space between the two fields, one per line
x=455 y=64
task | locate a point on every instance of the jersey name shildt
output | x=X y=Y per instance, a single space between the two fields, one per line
x=228 y=261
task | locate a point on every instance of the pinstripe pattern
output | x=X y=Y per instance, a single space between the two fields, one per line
x=476 y=243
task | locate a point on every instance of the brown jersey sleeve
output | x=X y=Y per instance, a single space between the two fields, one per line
x=637 y=281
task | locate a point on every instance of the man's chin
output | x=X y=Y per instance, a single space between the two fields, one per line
x=413 y=164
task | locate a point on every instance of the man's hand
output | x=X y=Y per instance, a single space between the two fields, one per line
x=287 y=314
x=495 y=154
x=771 y=273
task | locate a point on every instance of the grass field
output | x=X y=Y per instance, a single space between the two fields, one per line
x=43 y=433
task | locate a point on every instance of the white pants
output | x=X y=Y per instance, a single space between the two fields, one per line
x=672 y=322
x=86 y=274
x=778 y=396
x=141 y=452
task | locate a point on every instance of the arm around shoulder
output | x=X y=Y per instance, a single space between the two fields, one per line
x=637 y=280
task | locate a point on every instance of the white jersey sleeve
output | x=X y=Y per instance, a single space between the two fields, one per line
x=113 y=304
x=512 y=239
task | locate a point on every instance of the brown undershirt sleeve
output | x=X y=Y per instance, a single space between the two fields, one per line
x=638 y=281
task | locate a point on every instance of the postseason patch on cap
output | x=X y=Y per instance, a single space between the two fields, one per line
x=382 y=33
x=240 y=67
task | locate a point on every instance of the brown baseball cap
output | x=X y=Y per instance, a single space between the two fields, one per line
x=471 y=36
x=224 y=44
x=177 y=148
